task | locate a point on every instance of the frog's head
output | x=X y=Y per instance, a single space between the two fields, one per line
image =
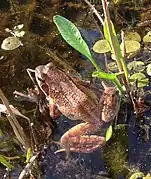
x=41 y=75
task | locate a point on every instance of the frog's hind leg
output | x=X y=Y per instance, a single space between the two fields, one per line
x=78 y=140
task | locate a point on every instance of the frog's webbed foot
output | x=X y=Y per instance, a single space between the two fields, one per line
x=67 y=150
x=83 y=144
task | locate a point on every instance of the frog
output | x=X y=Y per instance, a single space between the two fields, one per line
x=78 y=102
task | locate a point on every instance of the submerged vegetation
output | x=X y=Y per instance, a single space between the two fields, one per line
x=120 y=57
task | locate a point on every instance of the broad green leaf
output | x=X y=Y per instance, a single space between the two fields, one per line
x=132 y=36
x=101 y=46
x=149 y=69
x=147 y=37
x=141 y=79
x=5 y=163
x=137 y=175
x=71 y=35
x=137 y=66
x=109 y=133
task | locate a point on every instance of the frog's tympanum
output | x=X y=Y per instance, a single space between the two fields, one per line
x=78 y=102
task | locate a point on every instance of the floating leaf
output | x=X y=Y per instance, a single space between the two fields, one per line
x=132 y=36
x=141 y=78
x=5 y=163
x=112 y=66
x=137 y=175
x=149 y=69
x=132 y=46
x=11 y=43
x=109 y=133
x=101 y=46
x=136 y=66
x=71 y=35
x=147 y=37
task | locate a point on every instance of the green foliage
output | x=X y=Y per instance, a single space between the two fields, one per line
x=132 y=36
x=132 y=47
x=141 y=79
x=111 y=37
x=137 y=66
x=149 y=69
x=29 y=154
x=101 y=46
x=71 y=35
x=5 y=162
x=109 y=133
x=137 y=175
x=112 y=66
x=147 y=37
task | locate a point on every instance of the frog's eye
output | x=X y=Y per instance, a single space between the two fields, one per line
x=41 y=80
x=113 y=95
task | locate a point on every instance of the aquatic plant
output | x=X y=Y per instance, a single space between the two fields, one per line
x=72 y=36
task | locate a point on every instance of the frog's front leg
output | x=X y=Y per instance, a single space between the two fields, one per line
x=78 y=140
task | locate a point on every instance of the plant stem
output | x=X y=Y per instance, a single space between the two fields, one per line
x=113 y=41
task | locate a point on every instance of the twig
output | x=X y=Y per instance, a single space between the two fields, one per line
x=95 y=11
x=18 y=130
x=27 y=167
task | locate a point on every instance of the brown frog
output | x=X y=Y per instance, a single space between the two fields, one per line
x=77 y=101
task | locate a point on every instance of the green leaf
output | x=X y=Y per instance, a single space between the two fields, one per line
x=132 y=36
x=28 y=155
x=112 y=66
x=141 y=78
x=149 y=69
x=131 y=46
x=147 y=37
x=71 y=35
x=109 y=133
x=103 y=75
x=5 y=163
x=137 y=66
x=101 y=46
x=137 y=175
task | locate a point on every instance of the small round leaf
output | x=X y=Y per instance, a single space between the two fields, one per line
x=137 y=66
x=132 y=36
x=132 y=46
x=149 y=69
x=141 y=78
x=101 y=46
x=11 y=43
x=147 y=37
x=112 y=66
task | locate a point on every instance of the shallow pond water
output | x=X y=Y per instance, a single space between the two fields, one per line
x=127 y=151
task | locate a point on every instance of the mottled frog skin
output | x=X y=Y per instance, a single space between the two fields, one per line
x=78 y=102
